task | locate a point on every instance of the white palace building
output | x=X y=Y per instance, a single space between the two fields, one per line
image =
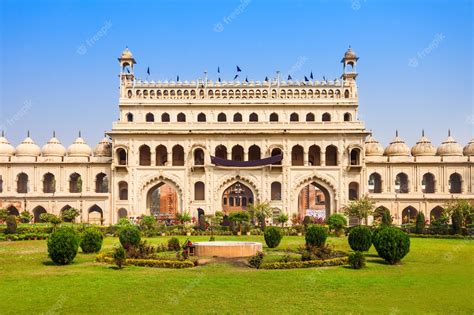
x=220 y=146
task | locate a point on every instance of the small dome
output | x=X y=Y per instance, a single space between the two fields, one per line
x=397 y=147
x=350 y=54
x=423 y=147
x=126 y=54
x=449 y=147
x=6 y=149
x=79 y=148
x=28 y=148
x=468 y=149
x=373 y=147
x=104 y=148
x=54 y=148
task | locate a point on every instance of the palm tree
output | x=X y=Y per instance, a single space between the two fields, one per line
x=260 y=212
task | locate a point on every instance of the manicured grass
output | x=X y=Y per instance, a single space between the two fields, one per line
x=437 y=276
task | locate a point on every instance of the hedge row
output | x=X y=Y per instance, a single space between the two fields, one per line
x=155 y=263
x=24 y=237
x=441 y=236
x=305 y=264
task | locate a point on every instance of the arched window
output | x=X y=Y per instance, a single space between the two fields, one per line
x=145 y=155
x=101 y=183
x=199 y=191
x=401 y=183
x=221 y=117
x=409 y=215
x=198 y=157
x=436 y=213
x=123 y=190
x=297 y=158
x=237 y=153
x=331 y=155
x=254 y=153
x=150 y=117
x=353 y=191
x=221 y=152
x=165 y=117
x=375 y=183
x=276 y=191
x=355 y=156
x=122 y=213
x=22 y=183
x=75 y=183
x=275 y=152
x=121 y=156
x=178 y=155
x=428 y=183
x=49 y=183
x=346 y=94
x=253 y=117
x=37 y=212
x=326 y=117
x=455 y=183
x=129 y=117
x=181 y=117
x=161 y=155
x=237 y=117
x=273 y=117
x=202 y=117
x=294 y=117
x=310 y=117
x=347 y=117
x=314 y=155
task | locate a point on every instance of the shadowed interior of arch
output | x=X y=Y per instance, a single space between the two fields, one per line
x=162 y=200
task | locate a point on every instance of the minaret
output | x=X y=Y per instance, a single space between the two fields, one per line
x=127 y=62
x=349 y=62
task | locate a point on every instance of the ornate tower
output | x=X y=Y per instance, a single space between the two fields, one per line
x=127 y=62
x=349 y=62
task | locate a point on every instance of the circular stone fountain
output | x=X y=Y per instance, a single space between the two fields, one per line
x=226 y=249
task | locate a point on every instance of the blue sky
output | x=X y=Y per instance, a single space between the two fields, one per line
x=59 y=58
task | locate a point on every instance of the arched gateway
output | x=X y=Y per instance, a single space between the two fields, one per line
x=163 y=200
x=314 y=200
x=237 y=197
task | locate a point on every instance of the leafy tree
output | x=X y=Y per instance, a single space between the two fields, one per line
x=462 y=208
x=361 y=208
x=217 y=218
x=260 y=212
x=239 y=218
x=11 y=224
x=420 y=223
x=25 y=217
x=282 y=219
x=147 y=222
x=70 y=215
x=119 y=256
x=337 y=222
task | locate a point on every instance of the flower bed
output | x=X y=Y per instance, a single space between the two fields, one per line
x=305 y=264
x=155 y=263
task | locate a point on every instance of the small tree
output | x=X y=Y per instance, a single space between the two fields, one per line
x=217 y=218
x=316 y=236
x=147 y=222
x=129 y=236
x=337 y=222
x=63 y=245
x=25 y=217
x=386 y=218
x=239 y=218
x=261 y=212
x=392 y=244
x=420 y=223
x=119 y=256
x=462 y=208
x=457 y=220
x=91 y=241
x=360 y=238
x=70 y=215
x=11 y=224
x=273 y=236
x=361 y=208
x=282 y=219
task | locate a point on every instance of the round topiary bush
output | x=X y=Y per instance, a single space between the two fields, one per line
x=91 y=240
x=11 y=225
x=129 y=236
x=273 y=236
x=360 y=238
x=316 y=236
x=63 y=245
x=173 y=244
x=392 y=244
x=356 y=260
x=337 y=222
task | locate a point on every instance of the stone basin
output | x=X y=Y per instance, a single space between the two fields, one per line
x=226 y=249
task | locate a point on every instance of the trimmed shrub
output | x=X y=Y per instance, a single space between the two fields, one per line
x=316 y=236
x=360 y=238
x=129 y=235
x=391 y=244
x=420 y=223
x=456 y=219
x=25 y=217
x=63 y=245
x=147 y=222
x=256 y=261
x=91 y=240
x=337 y=222
x=119 y=257
x=386 y=218
x=305 y=264
x=273 y=236
x=356 y=260
x=11 y=225
x=173 y=244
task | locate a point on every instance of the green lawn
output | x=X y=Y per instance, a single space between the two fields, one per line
x=437 y=276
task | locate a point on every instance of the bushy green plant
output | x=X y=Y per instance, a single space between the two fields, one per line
x=356 y=260
x=273 y=236
x=261 y=212
x=3 y=214
x=183 y=217
x=124 y=221
x=239 y=218
x=50 y=218
x=11 y=224
x=91 y=241
x=212 y=238
x=70 y=215
x=173 y=244
x=360 y=238
x=256 y=260
x=391 y=244
x=361 y=208
x=119 y=256
x=456 y=219
x=63 y=245
x=337 y=222
x=282 y=219
x=147 y=222
x=25 y=217
x=129 y=235
x=420 y=223
x=316 y=236
x=386 y=218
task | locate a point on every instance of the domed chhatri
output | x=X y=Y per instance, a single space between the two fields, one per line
x=449 y=147
x=28 y=147
x=103 y=148
x=423 y=147
x=373 y=147
x=79 y=148
x=397 y=147
x=350 y=54
x=469 y=148
x=126 y=54
x=6 y=149
x=53 y=147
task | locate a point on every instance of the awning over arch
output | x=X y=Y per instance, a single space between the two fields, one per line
x=261 y=162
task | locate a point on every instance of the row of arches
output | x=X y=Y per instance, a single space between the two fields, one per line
x=428 y=183
x=238 y=117
x=49 y=183
x=409 y=213
x=95 y=213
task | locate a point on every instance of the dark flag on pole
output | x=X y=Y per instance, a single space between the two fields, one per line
x=246 y=79
x=289 y=78
x=128 y=70
x=148 y=71
x=238 y=69
x=324 y=78
x=311 y=75
x=219 y=79
x=306 y=78
x=236 y=76
x=266 y=79
x=177 y=78
x=218 y=69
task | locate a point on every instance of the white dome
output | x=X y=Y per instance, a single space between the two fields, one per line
x=6 y=149
x=468 y=149
x=373 y=147
x=449 y=147
x=397 y=147
x=28 y=148
x=423 y=147
x=54 y=148
x=79 y=148
x=104 y=148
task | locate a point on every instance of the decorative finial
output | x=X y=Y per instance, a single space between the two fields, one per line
x=422 y=132
x=28 y=133
x=79 y=133
x=396 y=133
x=105 y=133
x=54 y=133
x=449 y=132
x=3 y=133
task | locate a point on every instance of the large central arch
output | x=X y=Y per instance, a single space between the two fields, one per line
x=314 y=200
x=153 y=188
x=237 y=197
x=327 y=192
